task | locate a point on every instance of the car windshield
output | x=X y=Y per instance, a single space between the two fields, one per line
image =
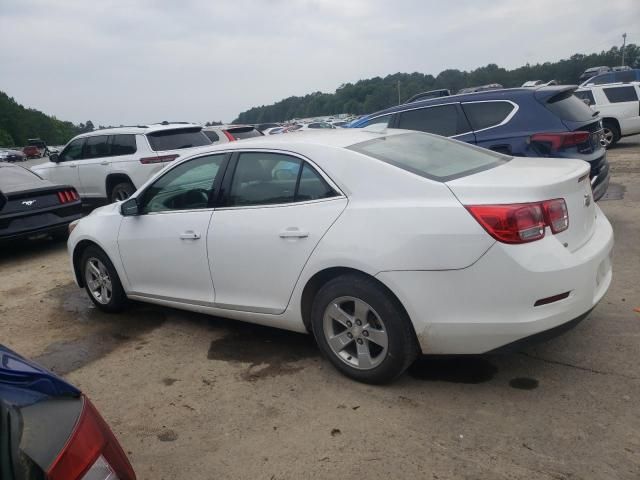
x=178 y=139
x=430 y=156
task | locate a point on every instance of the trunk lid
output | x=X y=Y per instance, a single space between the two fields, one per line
x=525 y=180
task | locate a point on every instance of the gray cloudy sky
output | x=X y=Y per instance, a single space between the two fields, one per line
x=123 y=62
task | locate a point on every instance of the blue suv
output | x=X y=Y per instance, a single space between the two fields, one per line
x=526 y=122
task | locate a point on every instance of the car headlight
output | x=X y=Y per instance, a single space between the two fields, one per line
x=73 y=225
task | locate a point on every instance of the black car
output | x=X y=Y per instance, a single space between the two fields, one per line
x=8 y=155
x=523 y=122
x=31 y=206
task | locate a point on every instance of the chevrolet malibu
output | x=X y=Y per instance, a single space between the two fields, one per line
x=384 y=244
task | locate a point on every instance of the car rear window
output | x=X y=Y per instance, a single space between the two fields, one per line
x=569 y=107
x=11 y=176
x=430 y=156
x=177 y=139
x=244 y=132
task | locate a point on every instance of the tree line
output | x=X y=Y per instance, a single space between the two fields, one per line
x=18 y=124
x=370 y=95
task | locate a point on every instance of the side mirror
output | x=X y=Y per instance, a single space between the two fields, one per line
x=129 y=208
x=3 y=200
x=54 y=157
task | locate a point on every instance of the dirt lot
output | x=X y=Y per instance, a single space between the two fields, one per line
x=195 y=397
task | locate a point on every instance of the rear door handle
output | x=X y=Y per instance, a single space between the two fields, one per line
x=104 y=163
x=293 y=233
x=189 y=235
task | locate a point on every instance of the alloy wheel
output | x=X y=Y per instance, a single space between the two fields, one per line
x=355 y=333
x=98 y=281
x=607 y=137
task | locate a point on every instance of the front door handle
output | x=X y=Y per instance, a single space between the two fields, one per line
x=293 y=233
x=189 y=235
x=72 y=165
x=104 y=163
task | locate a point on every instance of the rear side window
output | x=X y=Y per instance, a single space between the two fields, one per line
x=211 y=135
x=96 y=147
x=123 y=145
x=245 y=132
x=442 y=120
x=569 y=107
x=263 y=178
x=430 y=156
x=627 y=76
x=312 y=186
x=177 y=139
x=621 y=94
x=487 y=114
x=586 y=95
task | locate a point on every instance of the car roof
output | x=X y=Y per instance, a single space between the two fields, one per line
x=139 y=129
x=497 y=94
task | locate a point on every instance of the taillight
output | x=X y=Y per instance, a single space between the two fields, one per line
x=92 y=452
x=159 y=159
x=69 y=195
x=522 y=222
x=556 y=214
x=229 y=136
x=558 y=141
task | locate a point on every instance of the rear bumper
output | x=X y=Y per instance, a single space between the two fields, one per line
x=39 y=223
x=491 y=303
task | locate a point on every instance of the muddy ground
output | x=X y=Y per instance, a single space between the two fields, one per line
x=195 y=397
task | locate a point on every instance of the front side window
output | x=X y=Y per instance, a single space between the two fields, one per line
x=586 y=96
x=602 y=79
x=188 y=186
x=96 y=147
x=627 y=76
x=123 y=145
x=264 y=178
x=487 y=114
x=621 y=94
x=73 y=151
x=442 y=120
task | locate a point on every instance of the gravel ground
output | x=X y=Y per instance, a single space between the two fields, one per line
x=195 y=397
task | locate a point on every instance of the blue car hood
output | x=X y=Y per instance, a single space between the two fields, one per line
x=23 y=374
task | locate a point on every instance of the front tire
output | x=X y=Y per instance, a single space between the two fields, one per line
x=101 y=281
x=363 y=330
x=122 y=191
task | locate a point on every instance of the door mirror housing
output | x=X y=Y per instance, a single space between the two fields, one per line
x=54 y=157
x=129 y=208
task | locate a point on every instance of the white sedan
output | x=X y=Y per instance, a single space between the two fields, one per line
x=384 y=245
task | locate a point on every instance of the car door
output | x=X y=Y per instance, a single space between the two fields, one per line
x=94 y=167
x=623 y=104
x=277 y=209
x=164 y=247
x=447 y=120
x=66 y=170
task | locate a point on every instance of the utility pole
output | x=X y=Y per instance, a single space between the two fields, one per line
x=399 y=90
x=624 y=42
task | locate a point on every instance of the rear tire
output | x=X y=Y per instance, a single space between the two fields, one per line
x=122 y=191
x=101 y=281
x=611 y=133
x=362 y=329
